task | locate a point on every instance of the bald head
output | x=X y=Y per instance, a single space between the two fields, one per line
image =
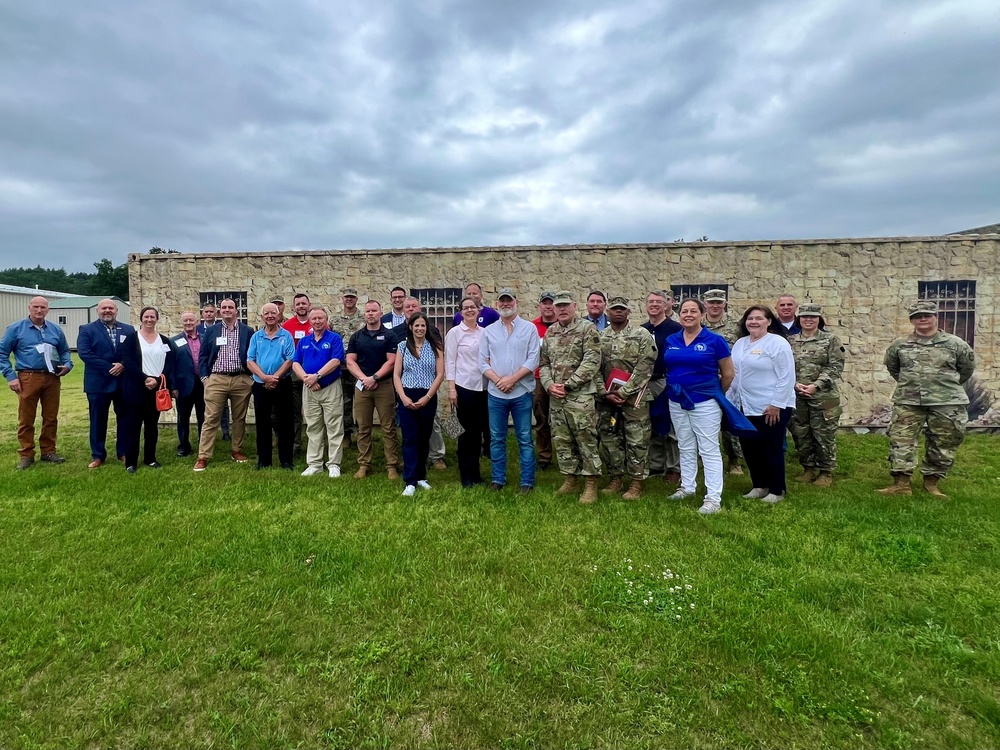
x=107 y=311
x=38 y=308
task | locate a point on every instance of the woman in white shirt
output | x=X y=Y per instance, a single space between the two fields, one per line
x=764 y=390
x=146 y=355
x=466 y=391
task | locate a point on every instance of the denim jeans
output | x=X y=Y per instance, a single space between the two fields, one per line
x=519 y=409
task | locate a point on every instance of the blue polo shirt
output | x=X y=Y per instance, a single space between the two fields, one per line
x=694 y=365
x=313 y=354
x=270 y=353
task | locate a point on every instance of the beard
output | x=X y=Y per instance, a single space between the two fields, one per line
x=508 y=312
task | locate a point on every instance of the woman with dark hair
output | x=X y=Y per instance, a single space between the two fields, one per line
x=764 y=390
x=417 y=375
x=146 y=356
x=699 y=370
x=466 y=391
x=819 y=364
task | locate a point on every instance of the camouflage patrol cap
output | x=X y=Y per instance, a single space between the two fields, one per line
x=924 y=307
x=349 y=291
x=714 y=295
x=618 y=302
x=546 y=296
x=278 y=300
x=506 y=292
x=564 y=297
x=810 y=309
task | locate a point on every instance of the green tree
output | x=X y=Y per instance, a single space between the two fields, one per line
x=110 y=280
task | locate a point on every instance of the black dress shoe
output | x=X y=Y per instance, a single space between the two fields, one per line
x=496 y=487
x=181 y=452
x=526 y=488
x=154 y=465
x=289 y=467
x=131 y=469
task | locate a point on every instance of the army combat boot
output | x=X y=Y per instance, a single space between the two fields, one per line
x=589 y=495
x=825 y=479
x=634 y=490
x=614 y=486
x=808 y=475
x=931 y=486
x=900 y=486
x=568 y=486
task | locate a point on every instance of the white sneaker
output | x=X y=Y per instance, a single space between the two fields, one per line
x=709 y=507
x=409 y=490
x=312 y=471
x=756 y=493
x=679 y=494
x=422 y=484
x=770 y=497
x=334 y=471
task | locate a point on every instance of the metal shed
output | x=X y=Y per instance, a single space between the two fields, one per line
x=72 y=312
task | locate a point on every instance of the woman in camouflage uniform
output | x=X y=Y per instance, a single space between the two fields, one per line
x=819 y=364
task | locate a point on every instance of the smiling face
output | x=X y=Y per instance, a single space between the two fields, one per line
x=270 y=315
x=507 y=307
x=786 y=308
x=655 y=306
x=925 y=324
x=107 y=311
x=301 y=307
x=690 y=315
x=809 y=323
x=149 y=319
x=227 y=309
x=595 y=305
x=715 y=309
x=396 y=297
x=190 y=322
x=757 y=323
x=476 y=292
x=469 y=312
x=410 y=306
x=419 y=328
x=350 y=304
x=318 y=320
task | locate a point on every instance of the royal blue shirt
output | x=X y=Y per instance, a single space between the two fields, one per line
x=34 y=348
x=270 y=353
x=312 y=355
x=694 y=365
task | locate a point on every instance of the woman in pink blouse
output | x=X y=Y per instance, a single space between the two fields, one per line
x=466 y=391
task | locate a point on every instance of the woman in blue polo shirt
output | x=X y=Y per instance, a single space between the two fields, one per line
x=699 y=370
x=417 y=375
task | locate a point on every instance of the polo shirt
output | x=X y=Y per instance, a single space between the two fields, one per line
x=660 y=334
x=372 y=348
x=297 y=330
x=270 y=353
x=312 y=355
x=694 y=365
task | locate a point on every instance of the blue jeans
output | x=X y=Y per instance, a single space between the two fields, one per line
x=519 y=409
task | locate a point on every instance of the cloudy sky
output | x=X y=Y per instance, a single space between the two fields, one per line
x=234 y=125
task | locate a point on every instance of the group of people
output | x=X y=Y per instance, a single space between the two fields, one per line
x=607 y=396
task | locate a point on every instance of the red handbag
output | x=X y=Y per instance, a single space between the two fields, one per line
x=163 y=400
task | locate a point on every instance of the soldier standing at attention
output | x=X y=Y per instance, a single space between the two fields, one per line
x=819 y=364
x=929 y=367
x=717 y=321
x=570 y=363
x=622 y=421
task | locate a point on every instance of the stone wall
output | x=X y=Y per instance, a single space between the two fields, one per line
x=864 y=285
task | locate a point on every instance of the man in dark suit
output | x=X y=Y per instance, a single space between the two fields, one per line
x=99 y=346
x=188 y=390
x=222 y=366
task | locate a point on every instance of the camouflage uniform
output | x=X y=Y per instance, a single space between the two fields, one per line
x=571 y=355
x=729 y=330
x=929 y=374
x=624 y=431
x=346 y=326
x=819 y=361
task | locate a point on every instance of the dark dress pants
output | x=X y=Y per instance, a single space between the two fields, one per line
x=142 y=419
x=416 y=426
x=473 y=414
x=196 y=401
x=273 y=409
x=100 y=405
x=765 y=453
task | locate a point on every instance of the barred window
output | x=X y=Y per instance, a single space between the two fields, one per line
x=440 y=305
x=214 y=298
x=683 y=291
x=956 y=306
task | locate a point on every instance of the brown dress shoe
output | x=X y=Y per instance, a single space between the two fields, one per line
x=239 y=458
x=95 y=463
x=24 y=463
x=439 y=466
x=672 y=477
x=201 y=464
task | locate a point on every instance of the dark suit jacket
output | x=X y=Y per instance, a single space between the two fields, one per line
x=210 y=349
x=99 y=354
x=134 y=379
x=185 y=368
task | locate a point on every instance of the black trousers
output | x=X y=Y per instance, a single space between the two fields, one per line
x=473 y=414
x=765 y=453
x=416 y=426
x=196 y=401
x=141 y=417
x=273 y=410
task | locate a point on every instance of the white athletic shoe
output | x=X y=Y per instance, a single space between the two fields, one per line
x=312 y=471
x=679 y=494
x=756 y=493
x=334 y=471
x=422 y=484
x=709 y=507
x=772 y=498
x=409 y=490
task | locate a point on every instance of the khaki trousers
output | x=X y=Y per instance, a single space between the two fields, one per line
x=323 y=417
x=366 y=403
x=220 y=390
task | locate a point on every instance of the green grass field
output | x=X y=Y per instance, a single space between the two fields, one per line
x=250 y=609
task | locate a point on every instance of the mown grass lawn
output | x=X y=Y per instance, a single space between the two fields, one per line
x=253 y=609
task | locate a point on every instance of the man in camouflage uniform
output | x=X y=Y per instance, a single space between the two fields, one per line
x=819 y=364
x=622 y=421
x=717 y=321
x=345 y=325
x=570 y=364
x=929 y=367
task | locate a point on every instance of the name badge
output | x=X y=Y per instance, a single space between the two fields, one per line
x=180 y=342
x=380 y=338
x=300 y=334
x=221 y=341
x=121 y=338
x=165 y=347
x=757 y=351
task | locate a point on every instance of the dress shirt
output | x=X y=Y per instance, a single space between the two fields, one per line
x=765 y=374
x=506 y=353
x=34 y=348
x=228 y=359
x=461 y=356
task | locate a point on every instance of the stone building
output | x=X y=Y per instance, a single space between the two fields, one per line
x=864 y=285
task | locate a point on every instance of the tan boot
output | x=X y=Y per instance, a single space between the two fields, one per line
x=900 y=486
x=392 y=473
x=825 y=479
x=634 y=490
x=568 y=486
x=589 y=495
x=735 y=469
x=361 y=473
x=614 y=486
x=931 y=486
x=808 y=475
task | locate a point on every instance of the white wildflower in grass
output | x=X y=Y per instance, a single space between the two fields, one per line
x=653 y=590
